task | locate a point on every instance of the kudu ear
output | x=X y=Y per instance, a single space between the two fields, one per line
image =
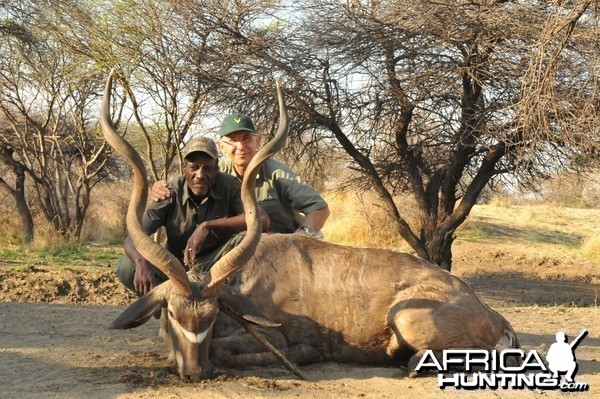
x=142 y=309
x=240 y=308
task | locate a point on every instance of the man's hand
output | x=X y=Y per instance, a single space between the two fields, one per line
x=143 y=279
x=194 y=243
x=159 y=191
x=309 y=232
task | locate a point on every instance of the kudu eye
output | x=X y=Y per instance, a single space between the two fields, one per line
x=171 y=315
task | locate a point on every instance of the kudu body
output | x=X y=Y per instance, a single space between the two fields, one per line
x=360 y=305
x=331 y=302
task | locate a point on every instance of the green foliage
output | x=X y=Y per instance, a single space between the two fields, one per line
x=67 y=255
x=9 y=254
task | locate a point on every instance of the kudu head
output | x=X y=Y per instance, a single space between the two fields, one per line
x=192 y=301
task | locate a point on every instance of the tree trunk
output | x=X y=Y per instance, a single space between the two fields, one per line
x=439 y=249
x=22 y=208
x=82 y=203
x=18 y=193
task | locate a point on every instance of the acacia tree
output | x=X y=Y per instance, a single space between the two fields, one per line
x=438 y=99
x=13 y=24
x=157 y=60
x=14 y=19
x=50 y=135
x=17 y=191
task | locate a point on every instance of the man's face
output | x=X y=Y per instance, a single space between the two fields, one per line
x=240 y=147
x=200 y=172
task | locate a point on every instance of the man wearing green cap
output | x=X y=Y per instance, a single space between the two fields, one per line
x=291 y=203
x=202 y=217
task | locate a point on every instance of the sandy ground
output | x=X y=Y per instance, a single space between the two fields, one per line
x=54 y=342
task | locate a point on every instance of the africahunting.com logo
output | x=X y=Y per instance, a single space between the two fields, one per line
x=509 y=368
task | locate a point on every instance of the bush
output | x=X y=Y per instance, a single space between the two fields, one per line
x=360 y=220
x=105 y=219
x=572 y=191
x=590 y=246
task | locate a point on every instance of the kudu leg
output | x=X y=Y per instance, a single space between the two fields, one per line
x=248 y=349
x=416 y=358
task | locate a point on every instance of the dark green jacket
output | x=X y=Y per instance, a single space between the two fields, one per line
x=181 y=215
x=282 y=194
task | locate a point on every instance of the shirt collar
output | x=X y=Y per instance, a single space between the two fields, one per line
x=212 y=193
x=235 y=173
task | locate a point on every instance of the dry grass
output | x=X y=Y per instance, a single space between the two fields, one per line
x=105 y=220
x=359 y=220
x=590 y=246
x=542 y=230
x=533 y=231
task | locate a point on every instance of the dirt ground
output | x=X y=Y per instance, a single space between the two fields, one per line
x=54 y=342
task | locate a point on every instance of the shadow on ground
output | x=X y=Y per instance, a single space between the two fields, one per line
x=517 y=289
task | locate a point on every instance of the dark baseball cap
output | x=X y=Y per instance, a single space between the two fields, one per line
x=201 y=144
x=235 y=123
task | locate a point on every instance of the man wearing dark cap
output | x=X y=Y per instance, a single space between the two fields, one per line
x=291 y=203
x=202 y=217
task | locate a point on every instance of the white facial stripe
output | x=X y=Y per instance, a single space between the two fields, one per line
x=194 y=338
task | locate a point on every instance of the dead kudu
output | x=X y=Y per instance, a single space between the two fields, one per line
x=327 y=302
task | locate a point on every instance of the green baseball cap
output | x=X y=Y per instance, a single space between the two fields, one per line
x=201 y=144
x=235 y=123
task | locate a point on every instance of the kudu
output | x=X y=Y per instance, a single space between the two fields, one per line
x=331 y=302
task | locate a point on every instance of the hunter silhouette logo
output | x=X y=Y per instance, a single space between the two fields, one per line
x=561 y=356
x=509 y=368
